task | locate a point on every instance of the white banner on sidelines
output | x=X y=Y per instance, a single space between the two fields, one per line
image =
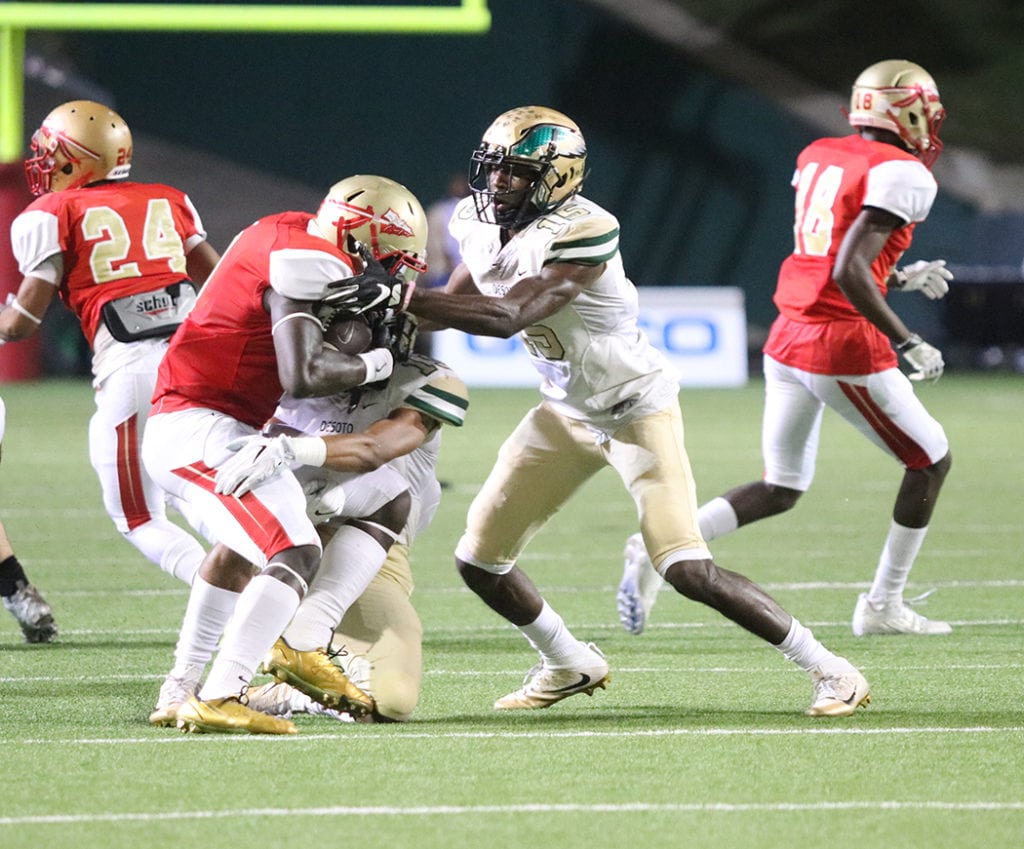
x=702 y=330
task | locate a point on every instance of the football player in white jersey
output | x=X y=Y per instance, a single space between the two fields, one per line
x=380 y=634
x=540 y=260
x=353 y=592
x=835 y=342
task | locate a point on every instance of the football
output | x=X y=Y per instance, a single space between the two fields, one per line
x=349 y=335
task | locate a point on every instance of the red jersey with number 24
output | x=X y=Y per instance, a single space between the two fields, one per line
x=818 y=329
x=115 y=239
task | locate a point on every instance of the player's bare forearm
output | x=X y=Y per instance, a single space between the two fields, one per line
x=852 y=273
x=305 y=367
x=477 y=314
x=381 y=443
x=22 y=314
x=526 y=301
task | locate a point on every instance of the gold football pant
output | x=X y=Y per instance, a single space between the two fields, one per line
x=548 y=457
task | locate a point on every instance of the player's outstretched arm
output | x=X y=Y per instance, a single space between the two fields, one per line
x=257 y=459
x=528 y=301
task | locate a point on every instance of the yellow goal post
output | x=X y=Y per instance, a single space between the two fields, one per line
x=465 y=17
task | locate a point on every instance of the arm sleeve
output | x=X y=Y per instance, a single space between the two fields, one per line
x=593 y=243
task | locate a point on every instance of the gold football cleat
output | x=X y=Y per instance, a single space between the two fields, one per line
x=313 y=673
x=219 y=715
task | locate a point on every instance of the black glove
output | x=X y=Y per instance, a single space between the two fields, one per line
x=394 y=331
x=403 y=336
x=374 y=289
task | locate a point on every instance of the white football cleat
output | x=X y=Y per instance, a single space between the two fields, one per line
x=543 y=686
x=174 y=692
x=893 y=618
x=839 y=693
x=276 y=698
x=639 y=587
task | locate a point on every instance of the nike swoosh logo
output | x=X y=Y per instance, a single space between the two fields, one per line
x=579 y=685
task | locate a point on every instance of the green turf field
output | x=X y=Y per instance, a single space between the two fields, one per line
x=699 y=741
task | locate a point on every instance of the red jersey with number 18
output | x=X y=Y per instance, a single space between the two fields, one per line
x=818 y=329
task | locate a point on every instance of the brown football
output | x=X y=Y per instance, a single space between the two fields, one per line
x=348 y=335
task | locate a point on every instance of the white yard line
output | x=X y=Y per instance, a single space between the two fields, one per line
x=541 y=808
x=392 y=735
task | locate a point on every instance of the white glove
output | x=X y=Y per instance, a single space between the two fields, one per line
x=258 y=459
x=926 y=359
x=325 y=504
x=924 y=276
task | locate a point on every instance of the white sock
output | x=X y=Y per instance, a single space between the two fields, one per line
x=898 y=555
x=263 y=611
x=208 y=611
x=716 y=519
x=802 y=648
x=549 y=636
x=350 y=561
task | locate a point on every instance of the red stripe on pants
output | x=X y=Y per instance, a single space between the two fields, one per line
x=129 y=474
x=912 y=455
x=252 y=514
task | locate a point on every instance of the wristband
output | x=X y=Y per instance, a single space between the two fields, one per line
x=380 y=362
x=12 y=302
x=910 y=342
x=309 y=450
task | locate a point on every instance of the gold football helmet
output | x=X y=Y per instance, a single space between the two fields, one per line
x=78 y=143
x=382 y=215
x=901 y=97
x=529 y=141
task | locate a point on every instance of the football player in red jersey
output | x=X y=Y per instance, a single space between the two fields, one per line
x=252 y=336
x=126 y=259
x=836 y=339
